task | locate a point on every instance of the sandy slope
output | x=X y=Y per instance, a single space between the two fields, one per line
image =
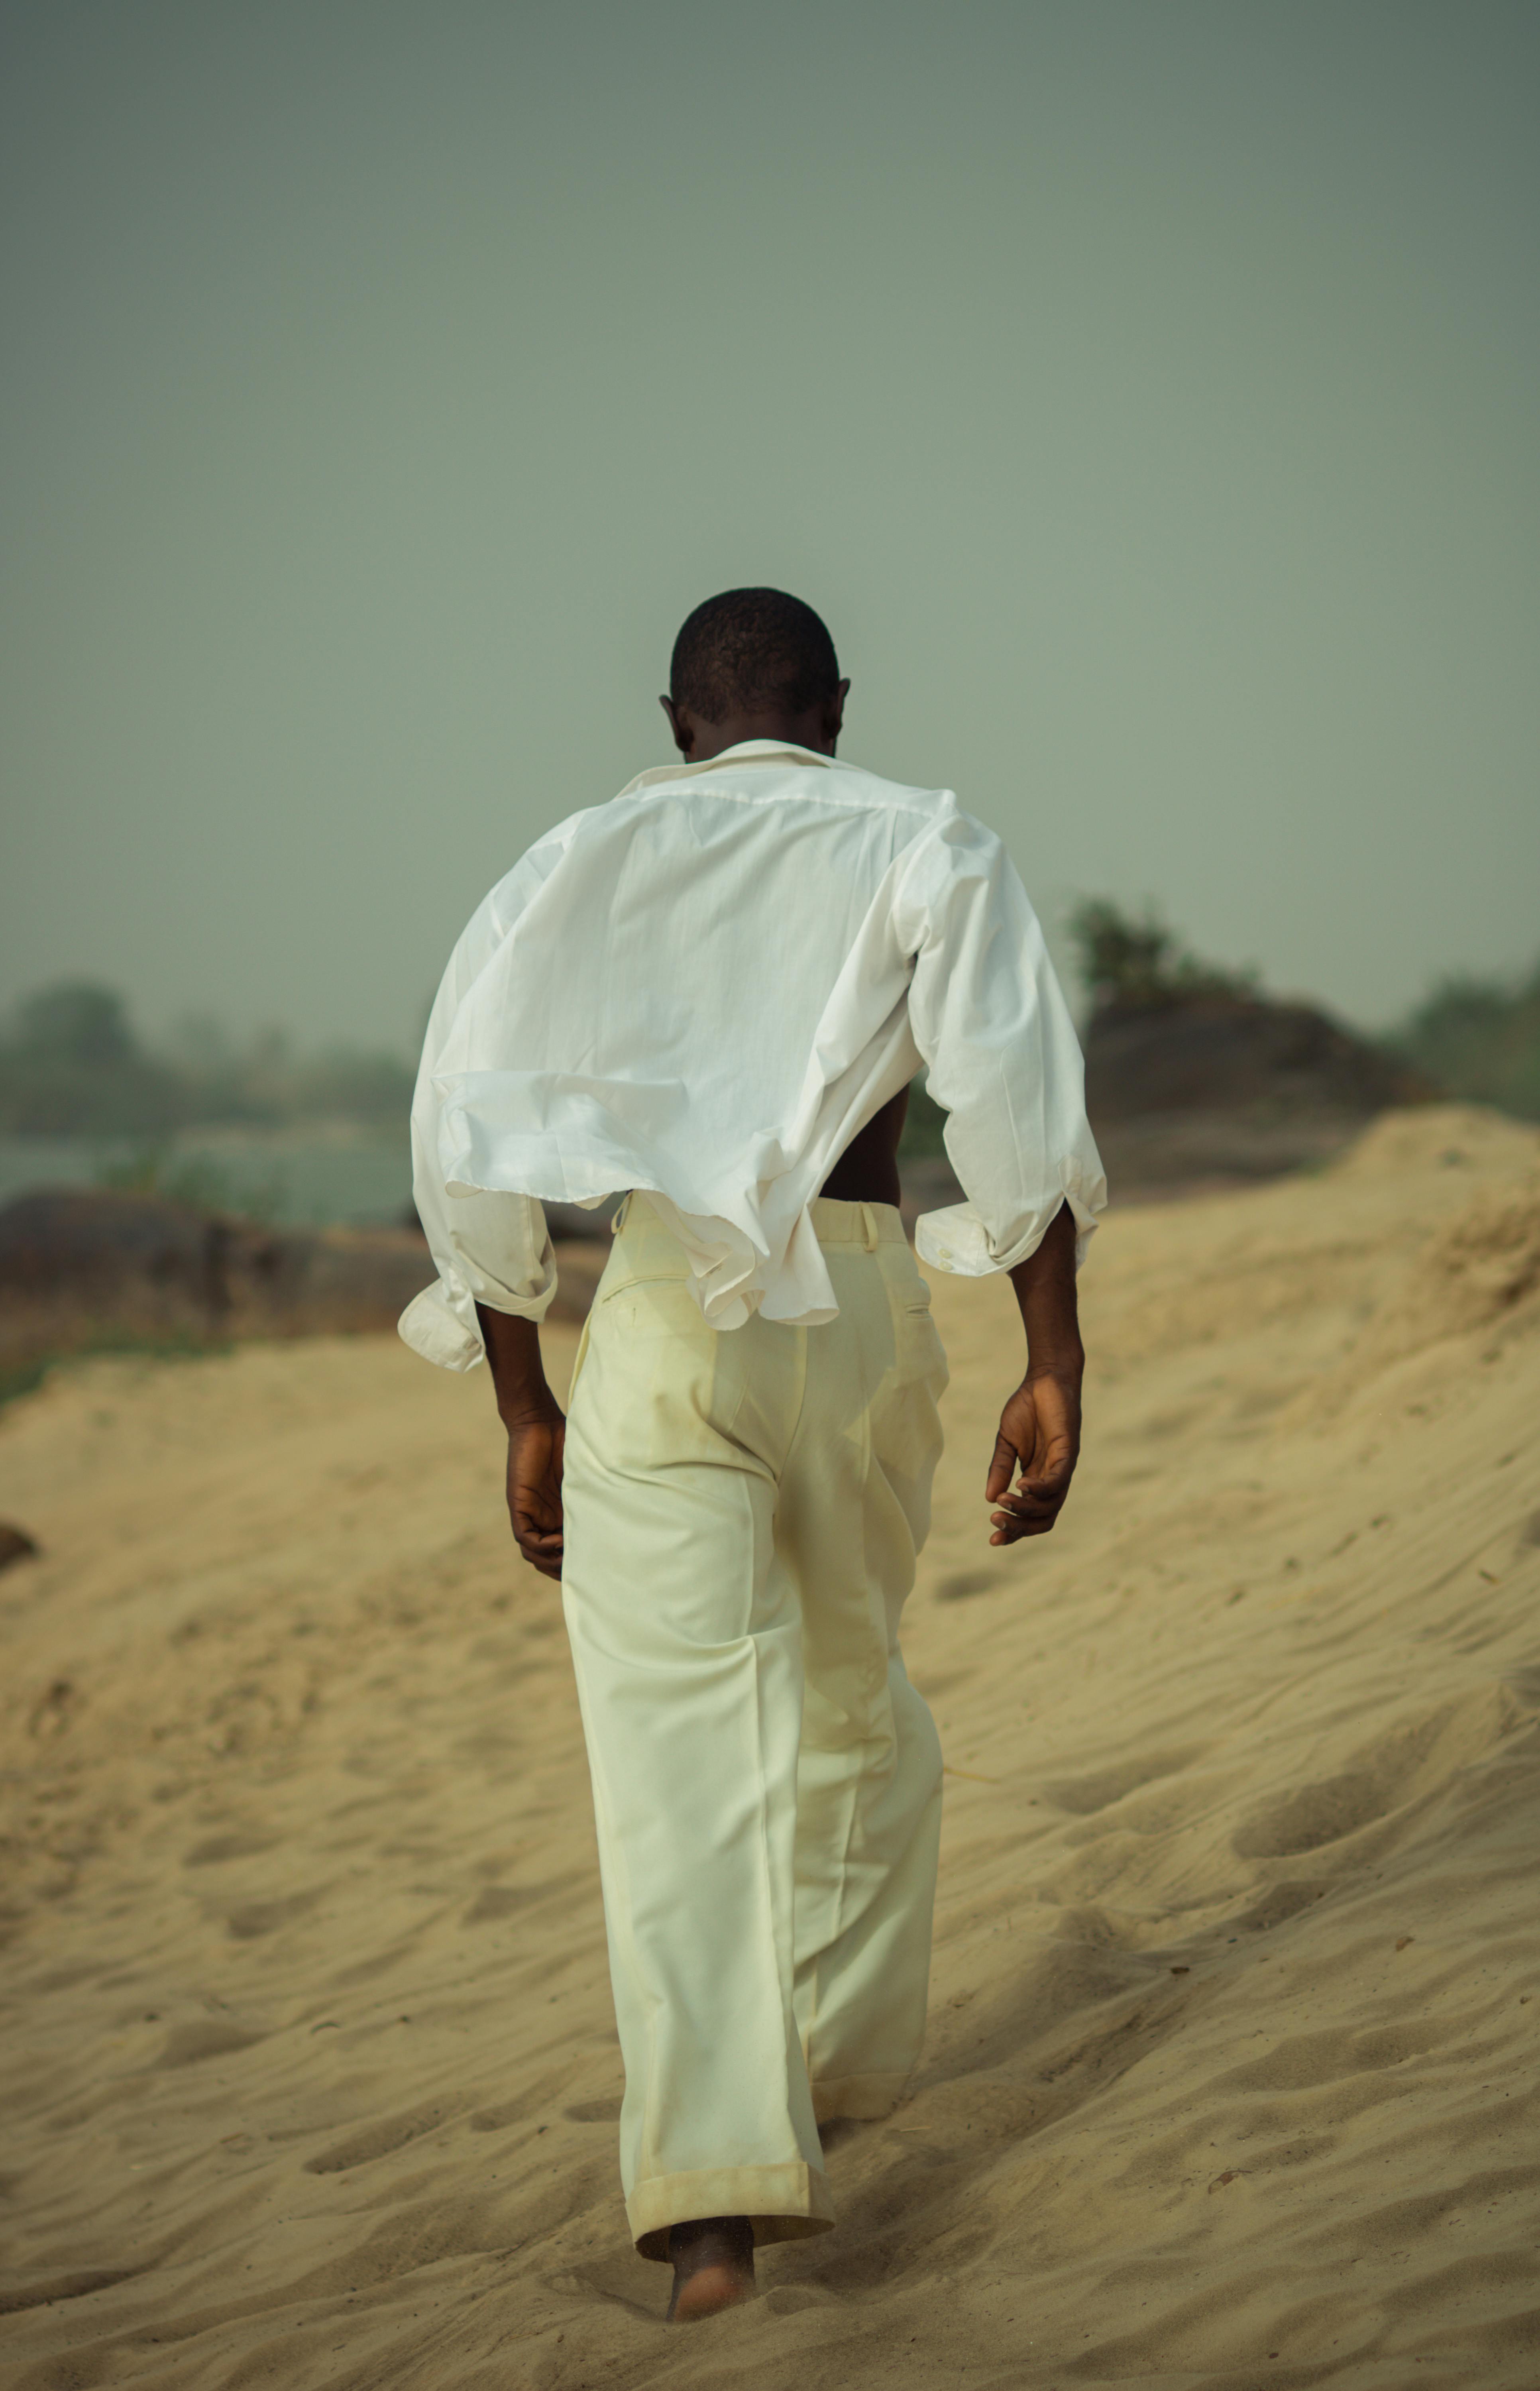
x=309 y=2076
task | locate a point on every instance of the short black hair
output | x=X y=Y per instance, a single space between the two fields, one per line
x=752 y=651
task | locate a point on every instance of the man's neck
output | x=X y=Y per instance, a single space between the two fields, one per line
x=816 y=727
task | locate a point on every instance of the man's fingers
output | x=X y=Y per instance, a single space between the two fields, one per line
x=1025 y=1515
x=1021 y=1521
x=1031 y=1507
x=1031 y=1510
x=1002 y=1466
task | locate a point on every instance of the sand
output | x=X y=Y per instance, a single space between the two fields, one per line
x=310 y=2072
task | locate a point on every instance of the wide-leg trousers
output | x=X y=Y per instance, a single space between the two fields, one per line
x=743 y=1508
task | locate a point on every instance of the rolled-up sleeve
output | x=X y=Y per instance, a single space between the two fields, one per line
x=989 y=1016
x=488 y=1249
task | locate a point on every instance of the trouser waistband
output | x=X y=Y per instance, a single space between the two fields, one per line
x=836 y=1222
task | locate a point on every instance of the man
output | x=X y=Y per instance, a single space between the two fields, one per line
x=713 y=992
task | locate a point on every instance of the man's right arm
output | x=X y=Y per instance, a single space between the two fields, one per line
x=537 y=1436
x=989 y=1016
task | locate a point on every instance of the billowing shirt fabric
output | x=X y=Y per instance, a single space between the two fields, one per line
x=704 y=988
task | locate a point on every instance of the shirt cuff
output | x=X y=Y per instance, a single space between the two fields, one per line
x=435 y=1325
x=431 y=1328
x=957 y=1240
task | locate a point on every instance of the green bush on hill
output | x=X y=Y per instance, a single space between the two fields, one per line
x=1140 y=964
x=1480 y=1040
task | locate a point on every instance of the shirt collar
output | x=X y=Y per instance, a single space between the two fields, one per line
x=750 y=751
x=747 y=751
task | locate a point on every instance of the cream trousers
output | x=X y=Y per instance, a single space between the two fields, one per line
x=743 y=1508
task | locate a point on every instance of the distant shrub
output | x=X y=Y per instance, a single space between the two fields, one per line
x=72 y=1063
x=1141 y=966
x=1480 y=1040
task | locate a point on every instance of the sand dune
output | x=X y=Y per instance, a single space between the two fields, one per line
x=309 y=2074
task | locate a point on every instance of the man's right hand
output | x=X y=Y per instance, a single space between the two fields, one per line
x=535 y=1449
x=537 y=1436
x=1040 y=1429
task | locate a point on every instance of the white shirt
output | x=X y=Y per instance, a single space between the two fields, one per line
x=705 y=988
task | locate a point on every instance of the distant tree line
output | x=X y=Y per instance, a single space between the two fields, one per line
x=71 y=1063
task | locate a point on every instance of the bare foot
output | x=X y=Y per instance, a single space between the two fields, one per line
x=713 y=2266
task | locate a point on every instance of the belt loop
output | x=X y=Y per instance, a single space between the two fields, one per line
x=868 y=1228
x=618 y=1222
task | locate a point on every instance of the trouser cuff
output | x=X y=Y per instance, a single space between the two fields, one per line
x=783 y=2204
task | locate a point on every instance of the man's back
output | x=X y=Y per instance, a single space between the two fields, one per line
x=706 y=989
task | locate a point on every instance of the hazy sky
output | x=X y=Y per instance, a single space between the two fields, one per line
x=1145 y=392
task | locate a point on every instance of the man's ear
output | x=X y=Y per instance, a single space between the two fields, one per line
x=833 y=714
x=681 y=725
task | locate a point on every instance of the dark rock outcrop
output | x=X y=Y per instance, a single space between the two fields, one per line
x=1220 y=1087
x=1225 y=1053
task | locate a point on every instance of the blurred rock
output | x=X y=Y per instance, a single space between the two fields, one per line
x=79 y=1267
x=15 y=1544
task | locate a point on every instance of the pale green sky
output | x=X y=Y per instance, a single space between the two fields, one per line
x=1145 y=392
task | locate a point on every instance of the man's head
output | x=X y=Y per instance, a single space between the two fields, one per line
x=754 y=664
